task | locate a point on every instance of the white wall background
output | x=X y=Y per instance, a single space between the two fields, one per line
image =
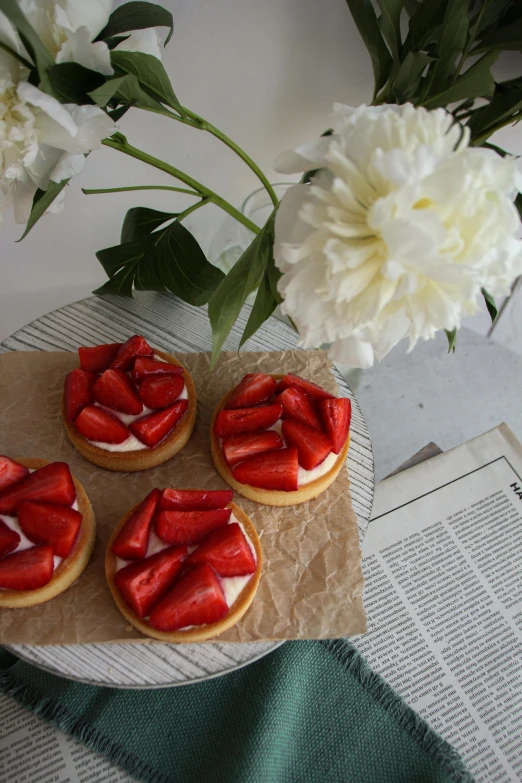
x=266 y=73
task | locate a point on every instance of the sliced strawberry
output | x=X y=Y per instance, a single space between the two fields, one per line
x=298 y=405
x=195 y=599
x=9 y=539
x=133 y=539
x=28 y=569
x=156 y=426
x=336 y=415
x=239 y=447
x=312 y=389
x=227 y=551
x=271 y=470
x=246 y=420
x=47 y=523
x=194 y=499
x=312 y=445
x=51 y=484
x=189 y=527
x=96 y=424
x=77 y=392
x=142 y=584
x=115 y=390
x=160 y=391
x=144 y=367
x=254 y=389
x=135 y=346
x=97 y=359
x=11 y=472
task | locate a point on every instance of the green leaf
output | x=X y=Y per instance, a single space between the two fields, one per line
x=102 y=95
x=476 y=82
x=112 y=43
x=150 y=73
x=452 y=340
x=450 y=42
x=424 y=23
x=502 y=106
x=117 y=114
x=167 y=260
x=507 y=37
x=31 y=40
x=142 y=220
x=244 y=277
x=263 y=307
x=72 y=83
x=518 y=204
x=366 y=21
x=137 y=16
x=409 y=74
x=130 y=92
x=389 y=22
x=490 y=304
x=41 y=202
x=273 y=278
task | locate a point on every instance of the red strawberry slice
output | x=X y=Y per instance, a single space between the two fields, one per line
x=144 y=367
x=336 y=415
x=298 y=405
x=189 y=527
x=254 y=389
x=115 y=390
x=271 y=470
x=227 y=551
x=239 y=447
x=312 y=445
x=158 y=391
x=312 y=389
x=77 y=392
x=133 y=539
x=96 y=424
x=142 y=584
x=9 y=539
x=246 y=420
x=47 y=523
x=11 y=472
x=194 y=499
x=28 y=569
x=135 y=346
x=97 y=359
x=51 y=484
x=196 y=599
x=156 y=426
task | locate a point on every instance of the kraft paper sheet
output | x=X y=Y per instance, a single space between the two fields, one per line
x=312 y=583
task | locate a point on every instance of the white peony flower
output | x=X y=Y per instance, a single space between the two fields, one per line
x=41 y=140
x=69 y=27
x=398 y=232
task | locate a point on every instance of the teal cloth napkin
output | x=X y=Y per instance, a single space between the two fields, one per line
x=309 y=711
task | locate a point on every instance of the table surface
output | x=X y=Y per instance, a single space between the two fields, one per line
x=407 y=400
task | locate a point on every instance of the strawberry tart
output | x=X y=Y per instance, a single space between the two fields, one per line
x=184 y=564
x=128 y=407
x=280 y=440
x=47 y=531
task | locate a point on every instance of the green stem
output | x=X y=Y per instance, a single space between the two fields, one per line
x=93 y=191
x=123 y=146
x=192 y=208
x=199 y=122
x=494 y=128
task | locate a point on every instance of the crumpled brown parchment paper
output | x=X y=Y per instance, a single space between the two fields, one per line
x=312 y=582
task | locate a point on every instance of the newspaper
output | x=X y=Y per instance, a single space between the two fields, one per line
x=443 y=594
x=443 y=572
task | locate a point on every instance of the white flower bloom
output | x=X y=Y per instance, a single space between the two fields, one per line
x=41 y=140
x=398 y=232
x=146 y=41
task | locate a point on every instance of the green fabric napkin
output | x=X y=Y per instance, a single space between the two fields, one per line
x=309 y=711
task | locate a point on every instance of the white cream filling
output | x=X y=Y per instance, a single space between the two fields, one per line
x=25 y=543
x=231 y=585
x=306 y=476
x=132 y=443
